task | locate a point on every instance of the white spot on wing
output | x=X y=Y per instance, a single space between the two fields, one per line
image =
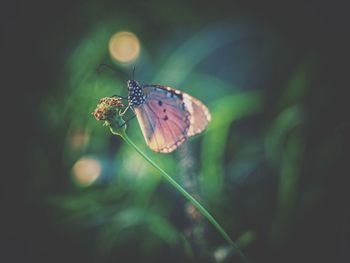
x=188 y=103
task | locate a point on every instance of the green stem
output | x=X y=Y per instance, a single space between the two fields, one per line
x=186 y=195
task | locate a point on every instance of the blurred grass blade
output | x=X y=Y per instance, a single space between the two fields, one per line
x=226 y=111
x=288 y=187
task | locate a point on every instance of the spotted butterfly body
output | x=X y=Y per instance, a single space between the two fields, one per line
x=167 y=116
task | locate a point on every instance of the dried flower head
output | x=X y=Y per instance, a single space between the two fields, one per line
x=108 y=108
x=111 y=111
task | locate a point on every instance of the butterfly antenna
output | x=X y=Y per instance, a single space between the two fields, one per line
x=107 y=66
x=133 y=73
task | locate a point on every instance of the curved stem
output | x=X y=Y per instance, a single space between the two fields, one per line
x=195 y=203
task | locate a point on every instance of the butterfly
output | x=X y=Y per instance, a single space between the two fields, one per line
x=167 y=116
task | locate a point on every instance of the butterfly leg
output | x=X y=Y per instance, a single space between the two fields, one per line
x=125 y=122
x=121 y=113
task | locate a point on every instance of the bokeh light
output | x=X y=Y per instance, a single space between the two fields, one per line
x=86 y=170
x=78 y=139
x=124 y=47
x=221 y=253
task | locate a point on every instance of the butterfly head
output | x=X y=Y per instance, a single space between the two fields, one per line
x=136 y=96
x=133 y=84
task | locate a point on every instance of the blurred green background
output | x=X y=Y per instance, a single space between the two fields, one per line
x=271 y=167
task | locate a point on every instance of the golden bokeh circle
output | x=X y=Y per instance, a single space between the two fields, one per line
x=124 y=47
x=86 y=170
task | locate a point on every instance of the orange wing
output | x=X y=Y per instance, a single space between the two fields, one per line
x=163 y=119
x=199 y=115
x=168 y=117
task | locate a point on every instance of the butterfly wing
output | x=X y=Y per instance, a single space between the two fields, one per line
x=163 y=118
x=199 y=114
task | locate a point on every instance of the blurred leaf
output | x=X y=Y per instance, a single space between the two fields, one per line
x=225 y=111
x=298 y=83
x=288 y=188
x=286 y=121
x=199 y=46
x=132 y=219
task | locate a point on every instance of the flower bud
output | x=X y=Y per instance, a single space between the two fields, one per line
x=108 y=108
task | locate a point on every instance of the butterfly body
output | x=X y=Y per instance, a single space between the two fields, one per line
x=167 y=116
x=136 y=96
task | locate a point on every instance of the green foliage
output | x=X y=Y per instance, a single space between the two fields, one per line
x=249 y=163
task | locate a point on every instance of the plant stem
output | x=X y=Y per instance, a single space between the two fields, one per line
x=178 y=187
